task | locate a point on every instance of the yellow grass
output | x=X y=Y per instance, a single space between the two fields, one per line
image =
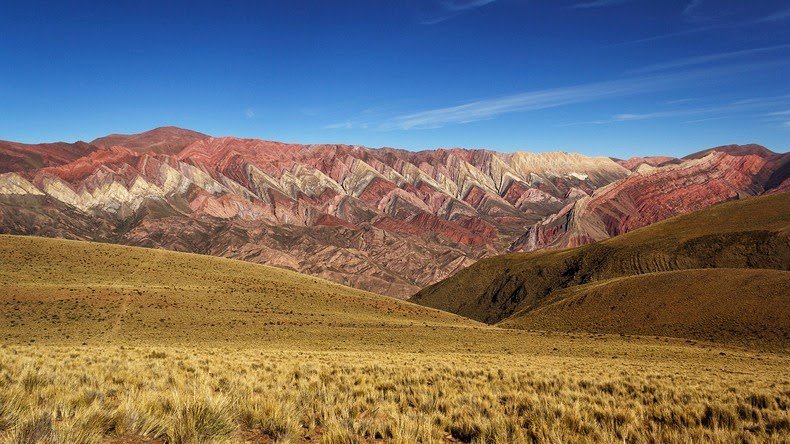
x=113 y=344
x=206 y=394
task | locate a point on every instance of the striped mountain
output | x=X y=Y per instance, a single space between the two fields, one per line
x=386 y=220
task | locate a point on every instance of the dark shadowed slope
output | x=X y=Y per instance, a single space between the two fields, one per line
x=743 y=306
x=23 y=157
x=750 y=233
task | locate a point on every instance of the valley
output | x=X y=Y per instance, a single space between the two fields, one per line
x=395 y=222
x=115 y=344
x=653 y=329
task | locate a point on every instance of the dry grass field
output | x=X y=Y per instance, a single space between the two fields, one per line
x=111 y=344
x=610 y=392
x=565 y=389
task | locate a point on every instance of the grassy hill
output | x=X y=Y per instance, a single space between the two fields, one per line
x=749 y=233
x=70 y=291
x=747 y=306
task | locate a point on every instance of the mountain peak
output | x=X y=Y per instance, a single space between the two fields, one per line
x=163 y=140
x=735 y=150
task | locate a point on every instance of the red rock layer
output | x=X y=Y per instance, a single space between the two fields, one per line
x=644 y=198
x=20 y=157
x=387 y=220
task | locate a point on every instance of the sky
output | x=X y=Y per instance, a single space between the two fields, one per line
x=601 y=77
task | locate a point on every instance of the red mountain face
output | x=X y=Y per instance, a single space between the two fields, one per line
x=166 y=140
x=22 y=157
x=653 y=194
x=387 y=220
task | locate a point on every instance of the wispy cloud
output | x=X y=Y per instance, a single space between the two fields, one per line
x=714 y=112
x=775 y=98
x=691 y=8
x=775 y=17
x=699 y=60
x=489 y=108
x=463 y=5
x=690 y=11
x=599 y=4
x=668 y=35
x=629 y=117
x=551 y=98
x=485 y=109
x=249 y=113
x=340 y=125
x=452 y=8
x=778 y=117
x=679 y=101
x=347 y=125
x=708 y=119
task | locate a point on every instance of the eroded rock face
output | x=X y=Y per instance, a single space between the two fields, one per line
x=654 y=193
x=386 y=220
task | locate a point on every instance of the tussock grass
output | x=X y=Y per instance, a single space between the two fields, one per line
x=224 y=395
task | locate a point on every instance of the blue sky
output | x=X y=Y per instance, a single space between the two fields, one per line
x=600 y=77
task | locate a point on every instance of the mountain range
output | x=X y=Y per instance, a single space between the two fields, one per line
x=386 y=220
